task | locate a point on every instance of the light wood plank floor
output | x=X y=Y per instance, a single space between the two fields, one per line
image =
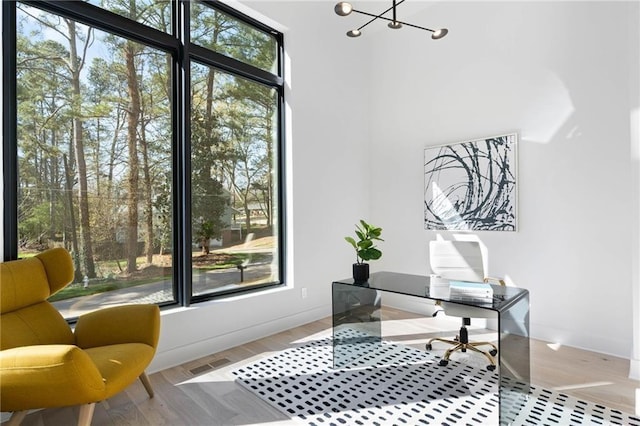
x=203 y=392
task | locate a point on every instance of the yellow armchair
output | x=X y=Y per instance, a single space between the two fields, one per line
x=43 y=363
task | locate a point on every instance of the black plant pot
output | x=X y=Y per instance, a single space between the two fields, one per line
x=360 y=272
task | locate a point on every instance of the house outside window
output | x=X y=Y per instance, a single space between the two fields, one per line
x=148 y=142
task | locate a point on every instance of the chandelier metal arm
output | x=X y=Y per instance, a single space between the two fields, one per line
x=376 y=16
x=344 y=8
x=390 y=20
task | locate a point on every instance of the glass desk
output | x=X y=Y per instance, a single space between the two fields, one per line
x=356 y=306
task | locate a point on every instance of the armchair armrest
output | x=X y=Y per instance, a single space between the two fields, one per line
x=48 y=376
x=119 y=324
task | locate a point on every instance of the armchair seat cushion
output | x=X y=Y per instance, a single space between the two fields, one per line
x=48 y=376
x=120 y=364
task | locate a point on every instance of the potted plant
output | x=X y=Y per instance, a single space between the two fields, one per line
x=365 y=249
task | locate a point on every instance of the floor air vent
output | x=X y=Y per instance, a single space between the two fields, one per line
x=210 y=366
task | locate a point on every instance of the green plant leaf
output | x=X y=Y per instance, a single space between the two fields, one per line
x=375 y=233
x=364 y=244
x=371 y=253
x=351 y=241
x=375 y=253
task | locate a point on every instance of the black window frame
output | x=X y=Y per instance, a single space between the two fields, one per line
x=182 y=51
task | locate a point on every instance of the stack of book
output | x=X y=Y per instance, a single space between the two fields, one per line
x=470 y=291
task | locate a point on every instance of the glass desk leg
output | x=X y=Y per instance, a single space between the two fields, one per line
x=515 y=377
x=356 y=322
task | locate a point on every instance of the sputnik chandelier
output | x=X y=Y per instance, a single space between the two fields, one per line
x=343 y=9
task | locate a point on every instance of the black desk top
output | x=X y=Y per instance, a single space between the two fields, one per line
x=418 y=285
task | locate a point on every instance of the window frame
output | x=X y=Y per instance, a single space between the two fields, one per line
x=183 y=52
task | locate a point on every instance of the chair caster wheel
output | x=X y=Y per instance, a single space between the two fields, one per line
x=491 y=367
x=443 y=362
x=493 y=352
x=428 y=346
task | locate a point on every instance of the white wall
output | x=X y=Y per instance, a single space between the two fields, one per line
x=634 y=96
x=557 y=73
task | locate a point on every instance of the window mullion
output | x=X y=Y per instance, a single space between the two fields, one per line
x=9 y=132
x=182 y=183
x=105 y=20
x=233 y=66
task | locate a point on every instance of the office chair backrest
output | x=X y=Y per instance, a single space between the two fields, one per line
x=457 y=260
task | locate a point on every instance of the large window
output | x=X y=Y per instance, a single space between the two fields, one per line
x=153 y=155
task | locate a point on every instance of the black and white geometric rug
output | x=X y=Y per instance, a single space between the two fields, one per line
x=406 y=386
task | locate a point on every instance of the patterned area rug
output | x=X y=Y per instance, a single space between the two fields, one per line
x=406 y=386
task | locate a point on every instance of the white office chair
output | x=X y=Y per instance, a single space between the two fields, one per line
x=462 y=261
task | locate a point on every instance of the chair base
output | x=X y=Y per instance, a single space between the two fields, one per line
x=461 y=343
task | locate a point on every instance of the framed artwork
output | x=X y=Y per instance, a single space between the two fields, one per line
x=472 y=185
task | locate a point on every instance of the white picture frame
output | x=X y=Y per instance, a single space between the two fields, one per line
x=472 y=185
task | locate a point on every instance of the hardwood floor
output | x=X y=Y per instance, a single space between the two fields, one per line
x=203 y=392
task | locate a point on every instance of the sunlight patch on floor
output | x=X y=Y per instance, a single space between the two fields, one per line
x=554 y=346
x=581 y=386
x=317 y=336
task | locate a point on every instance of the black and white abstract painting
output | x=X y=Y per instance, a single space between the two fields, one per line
x=471 y=185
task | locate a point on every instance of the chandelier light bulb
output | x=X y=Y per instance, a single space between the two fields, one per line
x=438 y=34
x=394 y=25
x=343 y=8
x=354 y=33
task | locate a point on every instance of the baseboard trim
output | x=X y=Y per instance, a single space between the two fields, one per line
x=180 y=355
x=588 y=342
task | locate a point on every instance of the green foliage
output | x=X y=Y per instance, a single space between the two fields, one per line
x=365 y=246
x=207 y=230
x=209 y=199
x=233 y=123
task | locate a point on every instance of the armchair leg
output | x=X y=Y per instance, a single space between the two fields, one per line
x=17 y=417
x=146 y=383
x=86 y=414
